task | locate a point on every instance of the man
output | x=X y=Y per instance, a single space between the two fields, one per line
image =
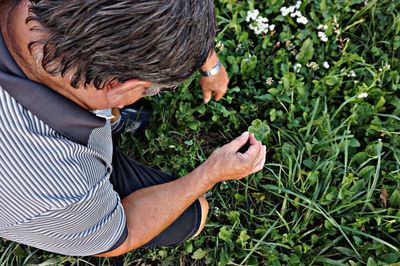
x=63 y=66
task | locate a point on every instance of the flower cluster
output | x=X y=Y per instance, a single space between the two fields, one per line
x=252 y=15
x=313 y=65
x=351 y=74
x=321 y=33
x=294 y=13
x=258 y=24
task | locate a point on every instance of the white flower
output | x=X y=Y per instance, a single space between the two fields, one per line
x=362 y=95
x=322 y=27
x=284 y=11
x=287 y=10
x=326 y=65
x=352 y=74
x=269 y=81
x=296 y=14
x=252 y=15
x=297 y=67
x=220 y=46
x=271 y=27
x=302 y=20
x=260 y=25
x=314 y=66
x=216 y=211
x=261 y=20
x=258 y=31
x=239 y=47
x=322 y=36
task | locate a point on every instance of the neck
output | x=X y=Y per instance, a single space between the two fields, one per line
x=17 y=35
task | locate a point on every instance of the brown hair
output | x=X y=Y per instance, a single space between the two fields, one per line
x=163 y=41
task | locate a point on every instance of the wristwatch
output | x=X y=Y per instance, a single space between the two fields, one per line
x=213 y=71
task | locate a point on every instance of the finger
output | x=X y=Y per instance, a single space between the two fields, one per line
x=253 y=139
x=207 y=96
x=237 y=143
x=220 y=93
x=255 y=145
x=261 y=164
x=260 y=155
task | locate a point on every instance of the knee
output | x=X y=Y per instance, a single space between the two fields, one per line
x=204 y=213
x=205 y=207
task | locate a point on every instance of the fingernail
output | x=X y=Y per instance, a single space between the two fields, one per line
x=245 y=134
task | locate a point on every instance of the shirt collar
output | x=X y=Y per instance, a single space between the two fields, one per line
x=58 y=112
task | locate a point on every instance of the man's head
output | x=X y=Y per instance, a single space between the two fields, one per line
x=100 y=41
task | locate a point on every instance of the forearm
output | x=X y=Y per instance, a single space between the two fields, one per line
x=151 y=210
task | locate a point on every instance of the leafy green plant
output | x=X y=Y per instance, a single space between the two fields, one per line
x=319 y=84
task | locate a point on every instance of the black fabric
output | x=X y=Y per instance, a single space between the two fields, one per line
x=60 y=113
x=121 y=240
x=128 y=176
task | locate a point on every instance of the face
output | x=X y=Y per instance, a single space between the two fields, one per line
x=122 y=94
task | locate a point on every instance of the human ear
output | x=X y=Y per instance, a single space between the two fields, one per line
x=120 y=93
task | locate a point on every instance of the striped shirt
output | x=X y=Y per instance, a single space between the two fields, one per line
x=55 y=165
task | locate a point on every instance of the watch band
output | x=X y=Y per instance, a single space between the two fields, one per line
x=213 y=71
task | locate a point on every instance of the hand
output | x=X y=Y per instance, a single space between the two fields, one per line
x=216 y=85
x=226 y=163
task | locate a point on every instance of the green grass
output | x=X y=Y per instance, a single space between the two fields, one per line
x=330 y=191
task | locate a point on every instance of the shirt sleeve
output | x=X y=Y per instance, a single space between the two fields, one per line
x=93 y=225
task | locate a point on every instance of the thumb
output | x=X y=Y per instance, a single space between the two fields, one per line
x=237 y=143
x=207 y=96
